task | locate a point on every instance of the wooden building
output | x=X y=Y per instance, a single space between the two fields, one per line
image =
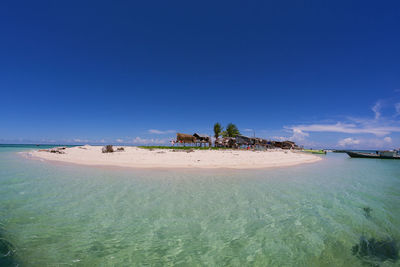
x=203 y=139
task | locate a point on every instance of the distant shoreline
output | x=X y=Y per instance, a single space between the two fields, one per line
x=135 y=157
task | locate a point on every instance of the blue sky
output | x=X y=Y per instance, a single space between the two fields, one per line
x=324 y=74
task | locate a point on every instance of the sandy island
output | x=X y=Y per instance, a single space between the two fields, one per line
x=164 y=158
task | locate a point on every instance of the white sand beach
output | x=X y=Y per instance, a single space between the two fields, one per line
x=165 y=158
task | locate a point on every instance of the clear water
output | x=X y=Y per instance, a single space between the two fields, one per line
x=309 y=215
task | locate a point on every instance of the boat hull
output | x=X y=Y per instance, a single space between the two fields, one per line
x=314 y=151
x=369 y=155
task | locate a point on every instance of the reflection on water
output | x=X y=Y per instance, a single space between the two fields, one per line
x=309 y=215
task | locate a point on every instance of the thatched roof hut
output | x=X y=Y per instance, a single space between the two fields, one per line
x=185 y=138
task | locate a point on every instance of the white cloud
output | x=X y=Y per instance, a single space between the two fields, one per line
x=377 y=109
x=348 y=142
x=155 y=131
x=397 y=108
x=49 y=141
x=280 y=138
x=298 y=135
x=149 y=141
x=387 y=139
x=379 y=125
x=368 y=143
x=78 y=140
x=119 y=141
x=347 y=128
x=385 y=143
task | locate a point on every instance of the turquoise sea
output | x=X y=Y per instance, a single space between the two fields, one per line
x=336 y=212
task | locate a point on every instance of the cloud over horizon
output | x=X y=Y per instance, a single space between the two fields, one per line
x=149 y=141
x=367 y=143
x=350 y=128
x=397 y=108
x=348 y=142
x=380 y=126
x=155 y=131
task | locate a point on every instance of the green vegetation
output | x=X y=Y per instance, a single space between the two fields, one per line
x=182 y=147
x=217 y=130
x=231 y=131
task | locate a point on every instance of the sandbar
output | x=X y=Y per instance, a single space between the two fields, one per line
x=136 y=157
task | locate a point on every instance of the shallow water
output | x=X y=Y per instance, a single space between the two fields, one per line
x=308 y=215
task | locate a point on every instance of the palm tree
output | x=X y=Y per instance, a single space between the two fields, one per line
x=217 y=130
x=231 y=131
